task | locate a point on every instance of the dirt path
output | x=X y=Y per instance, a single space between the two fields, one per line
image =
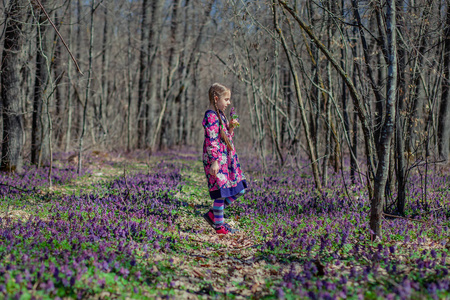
x=212 y=263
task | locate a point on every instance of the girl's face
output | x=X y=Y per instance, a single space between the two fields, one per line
x=223 y=101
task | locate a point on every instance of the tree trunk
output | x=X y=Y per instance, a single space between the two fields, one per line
x=88 y=85
x=152 y=49
x=400 y=162
x=166 y=136
x=444 y=109
x=69 y=85
x=39 y=148
x=287 y=96
x=78 y=111
x=258 y=112
x=130 y=89
x=12 y=142
x=142 y=78
x=58 y=73
x=103 y=99
x=376 y=209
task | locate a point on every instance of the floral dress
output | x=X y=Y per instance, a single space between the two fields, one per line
x=229 y=180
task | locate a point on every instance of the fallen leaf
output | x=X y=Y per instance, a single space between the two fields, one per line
x=198 y=273
x=255 y=287
x=274 y=272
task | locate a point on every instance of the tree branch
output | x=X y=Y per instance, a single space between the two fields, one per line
x=60 y=36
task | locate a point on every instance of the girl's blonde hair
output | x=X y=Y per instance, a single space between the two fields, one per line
x=219 y=90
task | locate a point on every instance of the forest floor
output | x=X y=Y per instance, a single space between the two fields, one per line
x=131 y=227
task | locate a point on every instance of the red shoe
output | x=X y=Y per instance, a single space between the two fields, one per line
x=209 y=217
x=222 y=230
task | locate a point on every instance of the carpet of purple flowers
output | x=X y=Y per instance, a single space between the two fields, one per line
x=140 y=234
x=326 y=238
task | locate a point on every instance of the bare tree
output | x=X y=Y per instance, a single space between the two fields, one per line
x=88 y=84
x=166 y=133
x=390 y=45
x=151 y=87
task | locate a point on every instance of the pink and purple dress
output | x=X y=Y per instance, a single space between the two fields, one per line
x=229 y=180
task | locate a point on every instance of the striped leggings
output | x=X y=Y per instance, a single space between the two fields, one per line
x=220 y=204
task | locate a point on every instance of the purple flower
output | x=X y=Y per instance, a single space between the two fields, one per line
x=138 y=274
x=123 y=271
x=18 y=278
x=50 y=286
x=234 y=116
x=65 y=282
x=392 y=249
x=101 y=283
x=280 y=293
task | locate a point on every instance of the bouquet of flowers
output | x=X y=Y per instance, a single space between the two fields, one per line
x=234 y=116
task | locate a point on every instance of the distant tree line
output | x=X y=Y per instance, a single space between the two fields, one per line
x=144 y=82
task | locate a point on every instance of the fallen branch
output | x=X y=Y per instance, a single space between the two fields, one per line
x=15 y=187
x=405 y=218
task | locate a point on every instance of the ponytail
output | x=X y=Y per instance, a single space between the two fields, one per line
x=218 y=90
x=222 y=133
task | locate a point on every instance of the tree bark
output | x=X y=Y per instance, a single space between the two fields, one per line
x=142 y=78
x=69 y=85
x=78 y=111
x=444 y=108
x=39 y=151
x=130 y=89
x=12 y=142
x=400 y=162
x=152 y=49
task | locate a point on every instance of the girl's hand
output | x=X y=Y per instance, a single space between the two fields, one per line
x=234 y=119
x=234 y=123
x=214 y=168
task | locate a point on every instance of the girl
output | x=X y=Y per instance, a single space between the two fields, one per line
x=223 y=172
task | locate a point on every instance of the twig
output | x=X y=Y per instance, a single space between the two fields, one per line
x=60 y=36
